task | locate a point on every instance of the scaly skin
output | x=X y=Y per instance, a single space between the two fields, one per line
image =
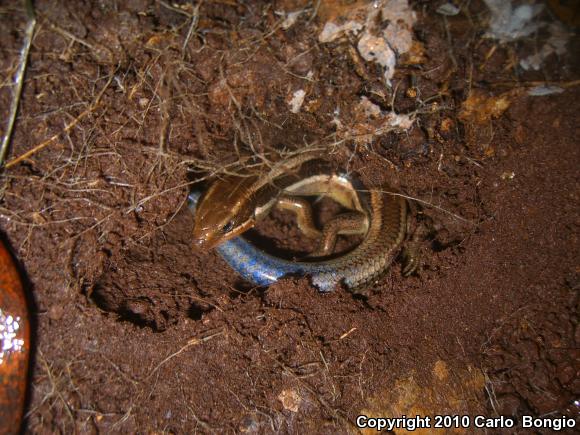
x=234 y=203
x=356 y=269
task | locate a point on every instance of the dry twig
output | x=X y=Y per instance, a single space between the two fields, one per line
x=19 y=80
x=69 y=127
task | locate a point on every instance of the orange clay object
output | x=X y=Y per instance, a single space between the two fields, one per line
x=14 y=345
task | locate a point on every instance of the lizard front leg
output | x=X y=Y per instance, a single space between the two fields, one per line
x=303 y=212
x=349 y=223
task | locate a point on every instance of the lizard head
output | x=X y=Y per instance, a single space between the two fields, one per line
x=225 y=211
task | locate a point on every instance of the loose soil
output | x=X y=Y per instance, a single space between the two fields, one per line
x=135 y=330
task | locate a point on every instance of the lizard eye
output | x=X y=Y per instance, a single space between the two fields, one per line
x=228 y=227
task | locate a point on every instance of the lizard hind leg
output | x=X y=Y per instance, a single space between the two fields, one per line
x=411 y=258
x=417 y=232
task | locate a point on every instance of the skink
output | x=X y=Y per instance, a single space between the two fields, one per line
x=246 y=200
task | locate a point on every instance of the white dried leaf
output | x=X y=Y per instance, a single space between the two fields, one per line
x=291 y=18
x=508 y=23
x=448 y=9
x=297 y=100
x=331 y=31
x=541 y=91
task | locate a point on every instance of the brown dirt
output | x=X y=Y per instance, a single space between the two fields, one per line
x=136 y=330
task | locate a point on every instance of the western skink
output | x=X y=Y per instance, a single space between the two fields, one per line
x=234 y=204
